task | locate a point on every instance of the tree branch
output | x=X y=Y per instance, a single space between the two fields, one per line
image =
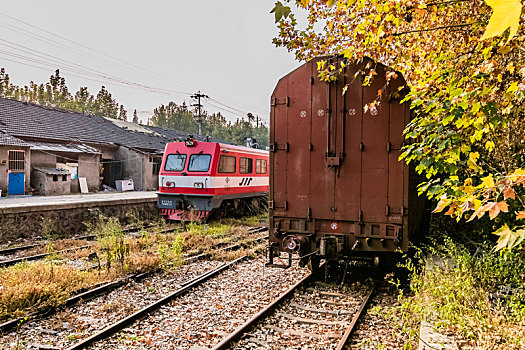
x=438 y=3
x=434 y=28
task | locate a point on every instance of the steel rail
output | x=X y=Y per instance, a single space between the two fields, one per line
x=10 y=250
x=356 y=318
x=226 y=342
x=43 y=255
x=39 y=256
x=127 y=321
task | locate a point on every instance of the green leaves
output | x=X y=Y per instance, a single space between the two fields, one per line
x=280 y=11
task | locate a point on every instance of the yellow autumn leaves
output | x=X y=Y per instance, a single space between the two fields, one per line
x=506 y=14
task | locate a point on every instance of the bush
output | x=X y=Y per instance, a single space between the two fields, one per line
x=452 y=288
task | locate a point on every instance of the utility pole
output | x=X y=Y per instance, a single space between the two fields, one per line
x=257 y=121
x=198 y=95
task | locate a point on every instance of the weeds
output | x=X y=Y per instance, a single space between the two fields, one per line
x=49 y=229
x=110 y=237
x=170 y=254
x=451 y=289
x=30 y=286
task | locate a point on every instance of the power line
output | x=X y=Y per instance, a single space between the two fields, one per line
x=79 y=69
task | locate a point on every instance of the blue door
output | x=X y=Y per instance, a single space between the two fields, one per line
x=15 y=183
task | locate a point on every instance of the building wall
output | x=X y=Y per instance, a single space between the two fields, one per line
x=4 y=166
x=89 y=167
x=43 y=160
x=132 y=166
x=47 y=187
x=136 y=165
x=107 y=152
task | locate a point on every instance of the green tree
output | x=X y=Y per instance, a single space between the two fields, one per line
x=105 y=105
x=55 y=93
x=122 y=113
x=135 y=117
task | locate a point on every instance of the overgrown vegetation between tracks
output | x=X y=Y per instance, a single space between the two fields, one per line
x=28 y=287
x=475 y=295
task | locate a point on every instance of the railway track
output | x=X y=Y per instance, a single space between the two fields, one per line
x=310 y=314
x=90 y=326
x=100 y=290
x=7 y=250
x=41 y=255
x=40 y=247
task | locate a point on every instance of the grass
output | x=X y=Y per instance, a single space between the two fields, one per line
x=40 y=284
x=28 y=287
x=451 y=288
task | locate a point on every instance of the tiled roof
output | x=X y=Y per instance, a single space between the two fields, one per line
x=53 y=171
x=26 y=120
x=8 y=140
x=57 y=147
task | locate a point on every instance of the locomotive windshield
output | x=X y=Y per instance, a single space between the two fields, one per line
x=175 y=162
x=199 y=162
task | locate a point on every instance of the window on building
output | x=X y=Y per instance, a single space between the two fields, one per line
x=199 y=162
x=175 y=162
x=226 y=164
x=55 y=178
x=245 y=165
x=155 y=168
x=261 y=166
x=16 y=160
x=64 y=177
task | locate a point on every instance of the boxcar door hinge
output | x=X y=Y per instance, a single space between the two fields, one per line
x=387 y=210
x=274 y=147
x=361 y=146
x=388 y=146
x=360 y=216
x=285 y=101
x=309 y=216
x=278 y=205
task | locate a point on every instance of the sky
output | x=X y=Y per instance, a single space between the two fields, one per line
x=148 y=53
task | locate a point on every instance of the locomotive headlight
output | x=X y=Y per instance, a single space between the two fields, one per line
x=198 y=185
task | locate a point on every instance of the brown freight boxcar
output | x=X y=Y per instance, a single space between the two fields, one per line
x=337 y=188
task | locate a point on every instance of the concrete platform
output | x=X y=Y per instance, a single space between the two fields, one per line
x=28 y=204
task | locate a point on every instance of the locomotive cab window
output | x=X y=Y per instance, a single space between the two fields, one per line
x=175 y=162
x=199 y=162
x=245 y=165
x=226 y=164
x=261 y=166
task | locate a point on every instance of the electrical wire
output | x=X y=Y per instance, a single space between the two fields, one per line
x=91 y=73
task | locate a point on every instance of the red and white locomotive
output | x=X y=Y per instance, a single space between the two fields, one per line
x=198 y=178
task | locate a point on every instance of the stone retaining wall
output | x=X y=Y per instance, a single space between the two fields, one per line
x=68 y=221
